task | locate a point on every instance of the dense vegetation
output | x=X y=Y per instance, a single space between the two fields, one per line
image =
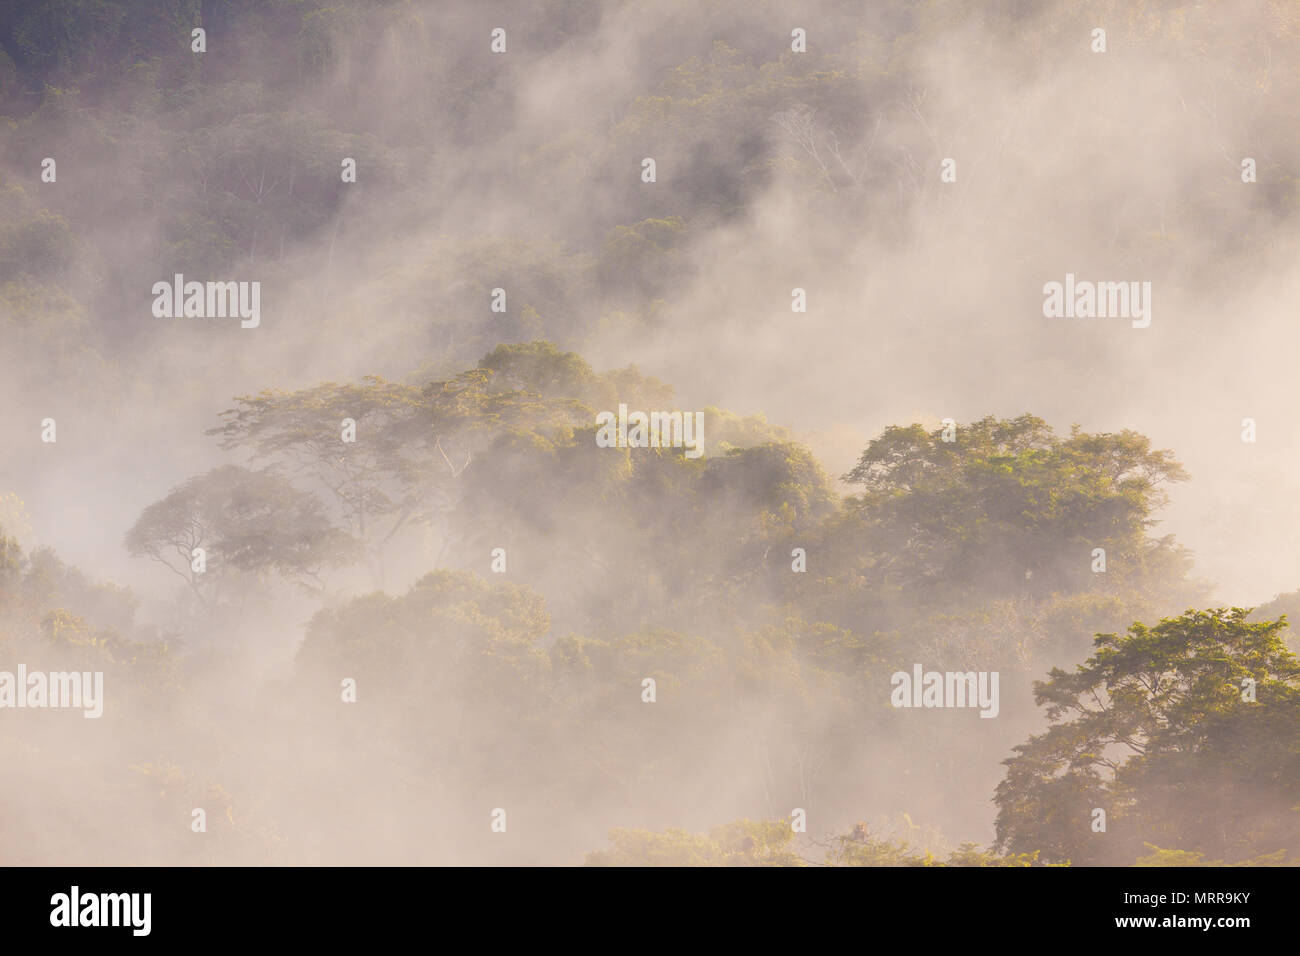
x=768 y=600
x=523 y=689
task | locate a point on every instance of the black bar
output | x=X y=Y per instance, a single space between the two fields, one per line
x=370 y=905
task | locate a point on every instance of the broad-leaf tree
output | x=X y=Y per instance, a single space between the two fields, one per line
x=1187 y=735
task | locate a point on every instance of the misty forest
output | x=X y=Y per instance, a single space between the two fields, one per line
x=613 y=413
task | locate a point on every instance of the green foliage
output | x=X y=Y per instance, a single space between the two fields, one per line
x=625 y=563
x=858 y=848
x=1012 y=508
x=1165 y=858
x=739 y=843
x=1156 y=729
x=637 y=262
x=771 y=843
x=247 y=522
x=541 y=368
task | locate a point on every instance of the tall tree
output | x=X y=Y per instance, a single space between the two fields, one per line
x=1187 y=735
x=1008 y=507
x=246 y=522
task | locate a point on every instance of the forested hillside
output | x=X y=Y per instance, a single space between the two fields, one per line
x=377 y=571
